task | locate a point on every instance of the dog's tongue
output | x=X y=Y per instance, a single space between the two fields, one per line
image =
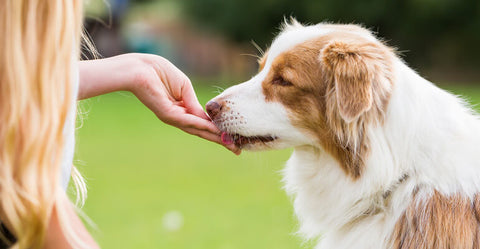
x=226 y=138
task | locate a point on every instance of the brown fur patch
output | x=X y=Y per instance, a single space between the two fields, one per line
x=335 y=73
x=352 y=77
x=439 y=222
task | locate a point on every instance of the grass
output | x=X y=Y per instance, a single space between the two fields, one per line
x=152 y=186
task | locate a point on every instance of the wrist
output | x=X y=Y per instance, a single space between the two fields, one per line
x=127 y=72
x=143 y=70
x=130 y=70
x=103 y=76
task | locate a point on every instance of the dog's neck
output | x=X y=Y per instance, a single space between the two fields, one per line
x=326 y=198
x=414 y=141
x=432 y=135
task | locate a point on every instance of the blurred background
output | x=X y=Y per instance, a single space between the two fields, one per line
x=152 y=186
x=210 y=38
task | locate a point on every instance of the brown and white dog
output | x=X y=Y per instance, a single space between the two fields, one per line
x=382 y=159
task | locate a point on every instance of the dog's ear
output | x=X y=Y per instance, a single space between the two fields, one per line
x=350 y=66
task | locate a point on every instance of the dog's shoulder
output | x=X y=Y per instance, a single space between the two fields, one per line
x=436 y=220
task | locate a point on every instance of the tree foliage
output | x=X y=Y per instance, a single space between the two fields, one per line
x=436 y=32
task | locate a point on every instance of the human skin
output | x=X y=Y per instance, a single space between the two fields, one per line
x=158 y=84
x=161 y=87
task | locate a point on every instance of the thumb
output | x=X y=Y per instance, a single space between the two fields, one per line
x=191 y=102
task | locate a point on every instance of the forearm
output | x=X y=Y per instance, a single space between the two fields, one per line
x=103 y=76
x=157 y=83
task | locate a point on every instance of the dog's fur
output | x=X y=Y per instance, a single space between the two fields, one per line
x=382 y=159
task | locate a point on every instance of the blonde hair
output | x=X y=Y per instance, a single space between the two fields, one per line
x=40 y=41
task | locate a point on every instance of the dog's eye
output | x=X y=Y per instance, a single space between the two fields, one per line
x=281 y=82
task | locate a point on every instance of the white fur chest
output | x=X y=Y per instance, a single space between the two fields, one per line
x=331 y=205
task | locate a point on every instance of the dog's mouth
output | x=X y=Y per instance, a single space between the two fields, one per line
x=240 y=140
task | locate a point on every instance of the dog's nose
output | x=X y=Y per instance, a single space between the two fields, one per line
x=213 y=108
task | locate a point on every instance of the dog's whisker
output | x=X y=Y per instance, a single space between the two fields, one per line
x=259 y=49
x=252 y=55
x=371 y=139
x=218 y=89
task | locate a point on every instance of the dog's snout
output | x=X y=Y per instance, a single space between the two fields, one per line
x=213 y=108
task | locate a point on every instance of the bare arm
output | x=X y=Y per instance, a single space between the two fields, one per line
x=158 y=84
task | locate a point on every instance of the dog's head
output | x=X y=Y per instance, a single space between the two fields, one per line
x=320 y=86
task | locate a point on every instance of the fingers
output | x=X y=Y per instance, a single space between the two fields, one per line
x=178 y=86
x=191 y=102
x=186 y=120
x=176 y=103
x=213 y=138
x=199 y=127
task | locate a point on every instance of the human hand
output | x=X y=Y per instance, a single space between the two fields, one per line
x=168 y=92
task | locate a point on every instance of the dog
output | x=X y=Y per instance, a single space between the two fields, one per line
x=382 y=157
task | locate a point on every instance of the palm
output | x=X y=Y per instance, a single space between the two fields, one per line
x=169 y=94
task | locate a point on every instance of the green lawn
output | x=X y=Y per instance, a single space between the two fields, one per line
x=152 y=186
